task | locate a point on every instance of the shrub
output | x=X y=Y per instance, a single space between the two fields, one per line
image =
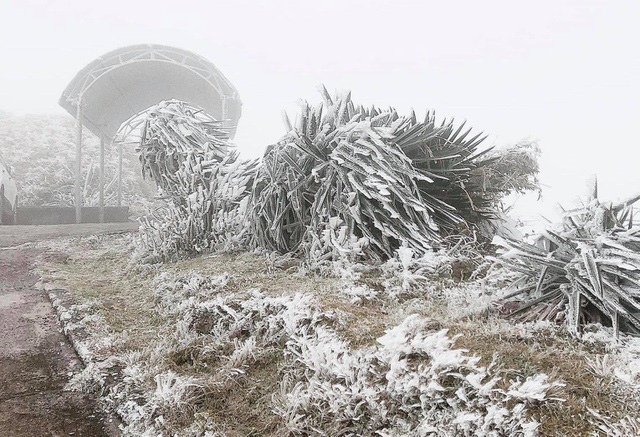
x=187 y=154
x=586 y=267
x=388 y=179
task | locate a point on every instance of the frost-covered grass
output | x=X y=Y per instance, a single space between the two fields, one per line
x=527 y=349
x=235 y=344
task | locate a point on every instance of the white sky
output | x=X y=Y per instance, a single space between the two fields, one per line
x=563 y=72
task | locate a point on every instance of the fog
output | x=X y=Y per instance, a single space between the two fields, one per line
x=563 y=73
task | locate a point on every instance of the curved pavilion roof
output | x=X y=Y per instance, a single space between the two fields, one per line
x=127 y=81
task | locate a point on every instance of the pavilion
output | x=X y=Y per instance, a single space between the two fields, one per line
x=113 y=91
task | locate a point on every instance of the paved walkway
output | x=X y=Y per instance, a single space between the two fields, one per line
x=35 y=358
x=16 y=235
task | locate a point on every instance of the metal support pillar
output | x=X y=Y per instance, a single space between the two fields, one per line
x=101 y=199
x=225 y=122
x=119 y=174
x=224 y=109
x=78 y=169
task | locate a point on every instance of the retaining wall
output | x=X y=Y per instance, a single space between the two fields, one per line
x=36 y=215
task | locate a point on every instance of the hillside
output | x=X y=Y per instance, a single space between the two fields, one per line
x=41 y=149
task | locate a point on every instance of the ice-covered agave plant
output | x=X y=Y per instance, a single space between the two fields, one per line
x=188 y=155
x=584 y=268
x=391 y=179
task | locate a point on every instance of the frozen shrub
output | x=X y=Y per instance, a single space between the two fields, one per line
x=345 y=183
x=187 y=154
x=388 y=179
x=584 y=269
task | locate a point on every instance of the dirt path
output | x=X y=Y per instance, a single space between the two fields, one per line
x=35 y=358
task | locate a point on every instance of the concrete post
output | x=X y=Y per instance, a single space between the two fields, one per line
x=78 y=169
x=101 y=199
x=119 y=174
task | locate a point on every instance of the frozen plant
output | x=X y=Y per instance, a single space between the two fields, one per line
x=390 y=178
x=580 y=270
x=625 y=427
x=188 y=155
x=405 y=271
x=175 y=391
x=335 y=249
x=359 y=293
x=621 y=362
x=413 y=383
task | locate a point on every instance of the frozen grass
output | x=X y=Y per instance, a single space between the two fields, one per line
x=200 y=352
x=96 y=271
x=525 y=350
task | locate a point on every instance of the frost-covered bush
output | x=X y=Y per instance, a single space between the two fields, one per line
x=406 y=270
x=175 y=391
x=189 y=157
x=388 y=179
x=335 y=243
x=408 y=273
x=621 y=360
x=346 y=183
x=174 y=292
x=211 y=218
x=627 y=426
x=583 y=269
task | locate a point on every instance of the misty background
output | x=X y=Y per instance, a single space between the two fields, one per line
x=562 y=73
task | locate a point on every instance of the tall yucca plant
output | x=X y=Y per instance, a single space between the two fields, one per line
x=390 y=179
x=349 y=170
x=585 y=267
x=188 y=154
x=174 y=132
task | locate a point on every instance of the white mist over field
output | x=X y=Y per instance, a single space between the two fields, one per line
x=563 y=73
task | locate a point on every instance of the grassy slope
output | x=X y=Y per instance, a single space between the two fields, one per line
x=96 y=269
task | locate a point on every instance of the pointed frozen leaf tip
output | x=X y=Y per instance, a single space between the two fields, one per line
x=626 y=202
x=286 y=121
x=325 y=94
x=592 y=188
